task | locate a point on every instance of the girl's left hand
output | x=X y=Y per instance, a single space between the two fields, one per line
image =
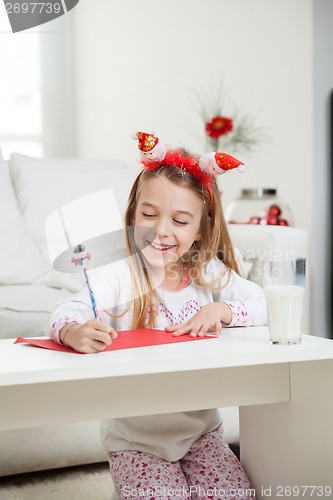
x=208 y=319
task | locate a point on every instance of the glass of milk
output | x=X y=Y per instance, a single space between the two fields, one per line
x=284 y=285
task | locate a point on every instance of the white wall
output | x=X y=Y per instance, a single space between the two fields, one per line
x=139 y=64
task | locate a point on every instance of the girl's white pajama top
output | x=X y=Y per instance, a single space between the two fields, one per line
x=168 y=436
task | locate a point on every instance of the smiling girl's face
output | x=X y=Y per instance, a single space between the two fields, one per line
x=169 y=218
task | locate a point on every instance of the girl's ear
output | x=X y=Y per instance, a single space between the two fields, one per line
x=198 y=237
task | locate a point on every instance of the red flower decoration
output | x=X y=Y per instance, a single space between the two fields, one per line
x=218 y=126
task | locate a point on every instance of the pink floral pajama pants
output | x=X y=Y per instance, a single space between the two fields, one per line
x=209 y=470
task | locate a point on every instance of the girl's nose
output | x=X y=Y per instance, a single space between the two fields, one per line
x=163 y=228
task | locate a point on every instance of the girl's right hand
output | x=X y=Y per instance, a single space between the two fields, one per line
x=92 y=336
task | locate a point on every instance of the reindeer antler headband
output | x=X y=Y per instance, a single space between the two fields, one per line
x=154 y=154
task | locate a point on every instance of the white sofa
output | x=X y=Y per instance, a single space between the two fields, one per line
x=30 y=189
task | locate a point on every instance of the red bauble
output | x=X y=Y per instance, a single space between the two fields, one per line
x=272 y=221
x=274 y=210
x=283 y=222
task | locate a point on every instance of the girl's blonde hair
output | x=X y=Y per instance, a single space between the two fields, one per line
x=214 y=241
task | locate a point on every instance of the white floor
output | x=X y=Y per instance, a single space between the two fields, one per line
x=92 y=482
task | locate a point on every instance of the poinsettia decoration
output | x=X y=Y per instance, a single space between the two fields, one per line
x=218 y=126
x=225 y=131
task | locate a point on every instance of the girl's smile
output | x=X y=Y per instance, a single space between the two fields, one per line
x=160 y=248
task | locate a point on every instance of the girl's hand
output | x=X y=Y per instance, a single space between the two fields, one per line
x=208 y=319
x=92 y=336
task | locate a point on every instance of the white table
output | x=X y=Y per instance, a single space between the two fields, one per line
x=285 y=394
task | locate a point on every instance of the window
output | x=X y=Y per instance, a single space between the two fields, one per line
x=36 y=100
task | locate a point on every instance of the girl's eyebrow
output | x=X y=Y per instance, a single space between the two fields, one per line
x=183 y=212
x=146 y=204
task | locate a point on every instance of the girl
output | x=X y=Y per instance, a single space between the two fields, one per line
x=180 y=274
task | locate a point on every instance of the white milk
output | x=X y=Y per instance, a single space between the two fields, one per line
x=285 y=313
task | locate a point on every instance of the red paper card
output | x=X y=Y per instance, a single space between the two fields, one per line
x=126 y=339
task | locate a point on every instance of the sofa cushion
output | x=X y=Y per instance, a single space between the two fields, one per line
x=24 y=308
x=42 y=186
x=21 y=261
x=49 y=447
